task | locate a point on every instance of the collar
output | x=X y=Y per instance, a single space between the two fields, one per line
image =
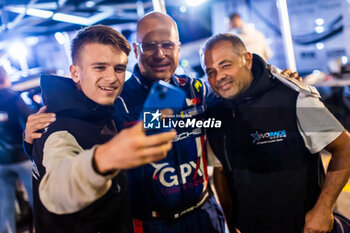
x=62 y=97
x=262 y=80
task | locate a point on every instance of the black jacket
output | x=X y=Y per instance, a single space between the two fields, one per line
x=13 y=115
x=90 y=124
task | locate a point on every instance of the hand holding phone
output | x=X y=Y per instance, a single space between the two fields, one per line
x=162 y=96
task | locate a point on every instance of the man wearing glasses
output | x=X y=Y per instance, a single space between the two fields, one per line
x=173 y=194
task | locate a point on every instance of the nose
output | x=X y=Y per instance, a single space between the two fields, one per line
x=110 y=75
x=220 y=76
x=159 y=53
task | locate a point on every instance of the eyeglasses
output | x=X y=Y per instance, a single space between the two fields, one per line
x=150 y=47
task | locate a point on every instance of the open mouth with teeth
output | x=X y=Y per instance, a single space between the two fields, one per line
x=108 y=89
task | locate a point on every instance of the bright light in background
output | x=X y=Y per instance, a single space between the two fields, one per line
x=226 y=20
x=90 y=4
x=183 y=9
x=344 y=60
x=31 y=40
x=128 y=75
x=60 y=38
x=70 y=18
x=18 y=50
x=184 y=63
x=319 y=21
x=319 y=46
x=195 y=2
x=39 y=13
x=193 y=74
x=26 y=99
x=31 y=11
x=316 y=72
x=319 y=29
x=60 y=72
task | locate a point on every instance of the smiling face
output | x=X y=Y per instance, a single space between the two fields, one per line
x=100 y=72
x=159 y=63
x=229 y=71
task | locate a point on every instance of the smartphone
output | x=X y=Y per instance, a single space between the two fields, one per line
x=162 y=95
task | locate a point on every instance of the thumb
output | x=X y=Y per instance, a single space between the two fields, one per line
x=42 y=110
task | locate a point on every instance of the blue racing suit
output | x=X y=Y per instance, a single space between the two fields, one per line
x=172 y=194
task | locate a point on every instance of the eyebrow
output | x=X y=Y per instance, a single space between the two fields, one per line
x=224 y=61
x=121 y=66
x=220 y=63
x=207 y=70
x=106 y=64
x=99 y=64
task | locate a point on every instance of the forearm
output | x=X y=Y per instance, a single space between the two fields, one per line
x=70 y=183
x=336 y=178
x=222 y=190
x=338 y=173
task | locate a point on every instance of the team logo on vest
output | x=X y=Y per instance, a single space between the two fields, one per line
x=198 y=86
x=268 y=137
x=168 y=176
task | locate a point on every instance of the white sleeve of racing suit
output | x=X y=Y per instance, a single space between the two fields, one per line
x=70 y=182
x=316 y=124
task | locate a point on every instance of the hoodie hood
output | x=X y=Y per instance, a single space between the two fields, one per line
x=262 y=80
x=61 y=96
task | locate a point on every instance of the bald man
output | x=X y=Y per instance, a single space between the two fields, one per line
x=173 y=194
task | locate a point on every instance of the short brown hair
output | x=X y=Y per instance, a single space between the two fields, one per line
x=236 y=42
x=100 y=34
x=3 y=75
x=235 y=15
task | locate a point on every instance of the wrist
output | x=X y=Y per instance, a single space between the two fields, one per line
x=99 y=162
x=27 y=139
x=324 y=203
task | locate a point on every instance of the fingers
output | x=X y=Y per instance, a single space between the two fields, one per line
x=36 y=116
x=296 y=76
x=37 y=121
x=158 y=139
x=166 y=113
x=155 y=153
x=42 y=122
x=290 y=74
x=36 y=135
x=286 y=72
x=37 y=125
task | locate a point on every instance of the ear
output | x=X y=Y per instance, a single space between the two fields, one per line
x=74 y=72
x=248 y=60
x=135 y=50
